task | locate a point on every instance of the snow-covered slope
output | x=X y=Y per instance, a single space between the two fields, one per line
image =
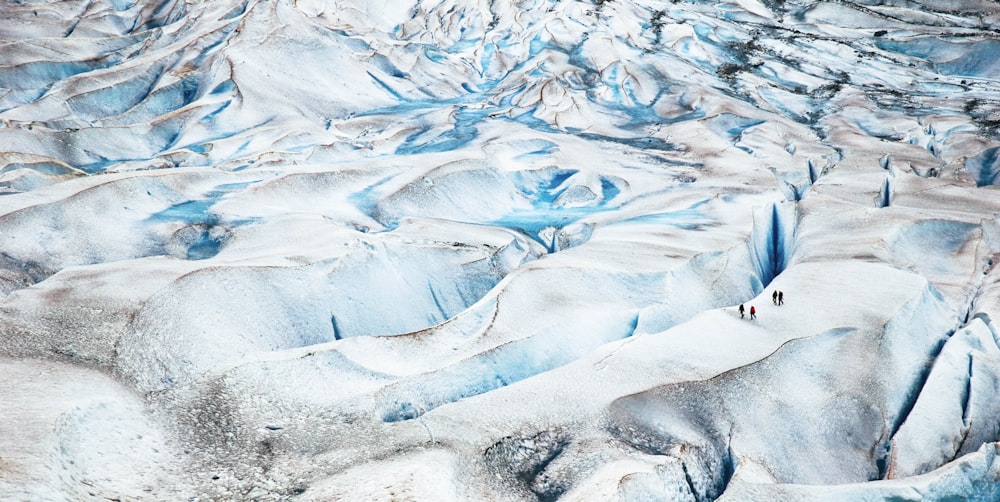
x=494 y=250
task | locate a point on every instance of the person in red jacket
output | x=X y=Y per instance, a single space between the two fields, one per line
x=753 y=312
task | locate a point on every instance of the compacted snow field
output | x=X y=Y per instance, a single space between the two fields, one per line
x=494 y=250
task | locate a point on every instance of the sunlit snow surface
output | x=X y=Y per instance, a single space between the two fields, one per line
x=493 y=250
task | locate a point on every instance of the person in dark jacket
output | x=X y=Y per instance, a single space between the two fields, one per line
x=774 y=297
x=781 y=297
x=741 y=311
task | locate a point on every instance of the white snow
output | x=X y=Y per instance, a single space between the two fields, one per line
x=494 y=250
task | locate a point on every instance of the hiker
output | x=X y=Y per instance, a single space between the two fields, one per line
x=781 y=297
x=774 y=297
x=741 y=311
x=753 y=312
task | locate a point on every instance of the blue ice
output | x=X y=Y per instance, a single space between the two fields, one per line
x=689 y=218
x=41 y=74
x=730 y=126
x=985 y=166
x=461 y=134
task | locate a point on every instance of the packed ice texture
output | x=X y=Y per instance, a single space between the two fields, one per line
x=494 y=250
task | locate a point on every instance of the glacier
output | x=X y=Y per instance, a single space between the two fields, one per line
x=494 y=250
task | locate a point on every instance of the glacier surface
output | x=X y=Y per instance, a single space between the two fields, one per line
x=494 y=250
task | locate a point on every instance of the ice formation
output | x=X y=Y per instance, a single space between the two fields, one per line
x=493 y=250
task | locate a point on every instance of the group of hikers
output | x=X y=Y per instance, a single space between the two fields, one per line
x=777 y=297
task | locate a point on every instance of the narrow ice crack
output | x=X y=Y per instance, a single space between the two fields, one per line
x=690 y=483
x=966 y=400
x=430 y=434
